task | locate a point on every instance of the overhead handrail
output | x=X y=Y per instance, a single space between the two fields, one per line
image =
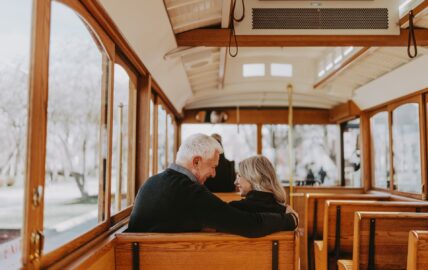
x=412 y=37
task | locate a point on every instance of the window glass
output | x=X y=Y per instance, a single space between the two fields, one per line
x=351 y=153
x=253 y=70
x=315 y=153
x=171 y=139
x=281 y=70
x=151 y=139
x=406 y=148
x=73 y=151
x=119 y=167
x=15 y=27
x=161 y=138
x=239 y=142
x=379 y=134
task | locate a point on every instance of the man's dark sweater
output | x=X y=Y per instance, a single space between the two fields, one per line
x=172 y=202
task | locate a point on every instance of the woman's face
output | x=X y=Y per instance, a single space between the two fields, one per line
x=243 y=184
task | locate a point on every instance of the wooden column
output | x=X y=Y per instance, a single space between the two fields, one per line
x=143 y=131
x=259 y=139
x=36 y=135
x=366 y=151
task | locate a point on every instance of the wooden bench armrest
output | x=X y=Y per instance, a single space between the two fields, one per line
x=344 y=264
x=320 y=255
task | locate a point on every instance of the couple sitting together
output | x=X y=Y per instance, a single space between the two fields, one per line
x=176 y=199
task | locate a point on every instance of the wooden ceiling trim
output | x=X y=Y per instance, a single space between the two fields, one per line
x=220 y=38
x=342 y=67
x=344 y=112
x=417 y=10
x=267 y=116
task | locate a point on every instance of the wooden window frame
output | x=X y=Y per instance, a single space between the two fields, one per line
x=132 y=129
x=419 y=98
x=391 y=107
x=36 y=149
x=370 y=150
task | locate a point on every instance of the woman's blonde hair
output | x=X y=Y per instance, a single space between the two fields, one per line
x=259 y=171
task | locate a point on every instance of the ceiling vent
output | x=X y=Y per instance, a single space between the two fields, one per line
x=346 y=17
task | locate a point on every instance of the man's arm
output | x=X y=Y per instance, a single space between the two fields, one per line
x=213 y=212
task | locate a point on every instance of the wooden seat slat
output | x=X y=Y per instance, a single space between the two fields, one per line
x=417 y=257
x=206 y=251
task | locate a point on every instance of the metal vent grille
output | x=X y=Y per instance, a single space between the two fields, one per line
x=316 y=18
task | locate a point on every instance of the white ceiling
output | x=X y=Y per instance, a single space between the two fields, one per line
x=196 y=77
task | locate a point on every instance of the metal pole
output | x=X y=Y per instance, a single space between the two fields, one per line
x=290 y=139
x=118 y=196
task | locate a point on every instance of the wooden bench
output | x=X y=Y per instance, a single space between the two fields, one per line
x=380 y=239
x=206 y=251
x=339 y=227
x=314 y=221
x=228 y=196
x=417 y=252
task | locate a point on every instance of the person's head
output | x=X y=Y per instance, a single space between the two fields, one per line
x=199 y=154
x=217 y=137
x=257 y=173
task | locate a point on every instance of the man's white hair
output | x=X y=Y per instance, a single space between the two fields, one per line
x=198 y=145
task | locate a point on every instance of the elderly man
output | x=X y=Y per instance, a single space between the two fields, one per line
x=176 y=200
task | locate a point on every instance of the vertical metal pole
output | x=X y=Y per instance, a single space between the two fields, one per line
x=119 y=162
x=290 y=139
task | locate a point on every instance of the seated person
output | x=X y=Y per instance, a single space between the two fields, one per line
x=224 y=173
x=257 y=182
x=176 y=199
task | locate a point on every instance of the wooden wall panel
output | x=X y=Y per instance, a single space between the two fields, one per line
x=267 y=116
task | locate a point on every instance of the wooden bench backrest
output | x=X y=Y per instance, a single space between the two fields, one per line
x=205 y=251
x=344 y=211
x=417 y=257
x=315 y=209
x=228 y=196
x=390 y=234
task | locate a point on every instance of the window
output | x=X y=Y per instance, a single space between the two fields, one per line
x=406 y=148
x=75 y=154
x=122 y=129
x=348 y=50
x=152 y=106
x=281 y=70
x=161 y=138
x=315 y=152
x=170 y=139
x=253 y=70
x=379 y=134
x=239 y=142
x=275 y=148
x=351 y=153
x=14 y=66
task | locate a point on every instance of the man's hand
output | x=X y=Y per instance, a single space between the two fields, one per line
x=289 y=210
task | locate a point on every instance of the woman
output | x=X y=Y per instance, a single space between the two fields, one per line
x=257 y=182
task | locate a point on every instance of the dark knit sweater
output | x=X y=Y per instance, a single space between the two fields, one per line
x=258 y=201
x=171 y=202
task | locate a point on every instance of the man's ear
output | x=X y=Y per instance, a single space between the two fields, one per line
x=196 y=161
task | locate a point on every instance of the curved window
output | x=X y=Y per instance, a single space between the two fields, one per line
x=406 y=148
x=76 y=135
x=121 y=126
x=170 y=139
x=15 y=27
x=379 y=134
